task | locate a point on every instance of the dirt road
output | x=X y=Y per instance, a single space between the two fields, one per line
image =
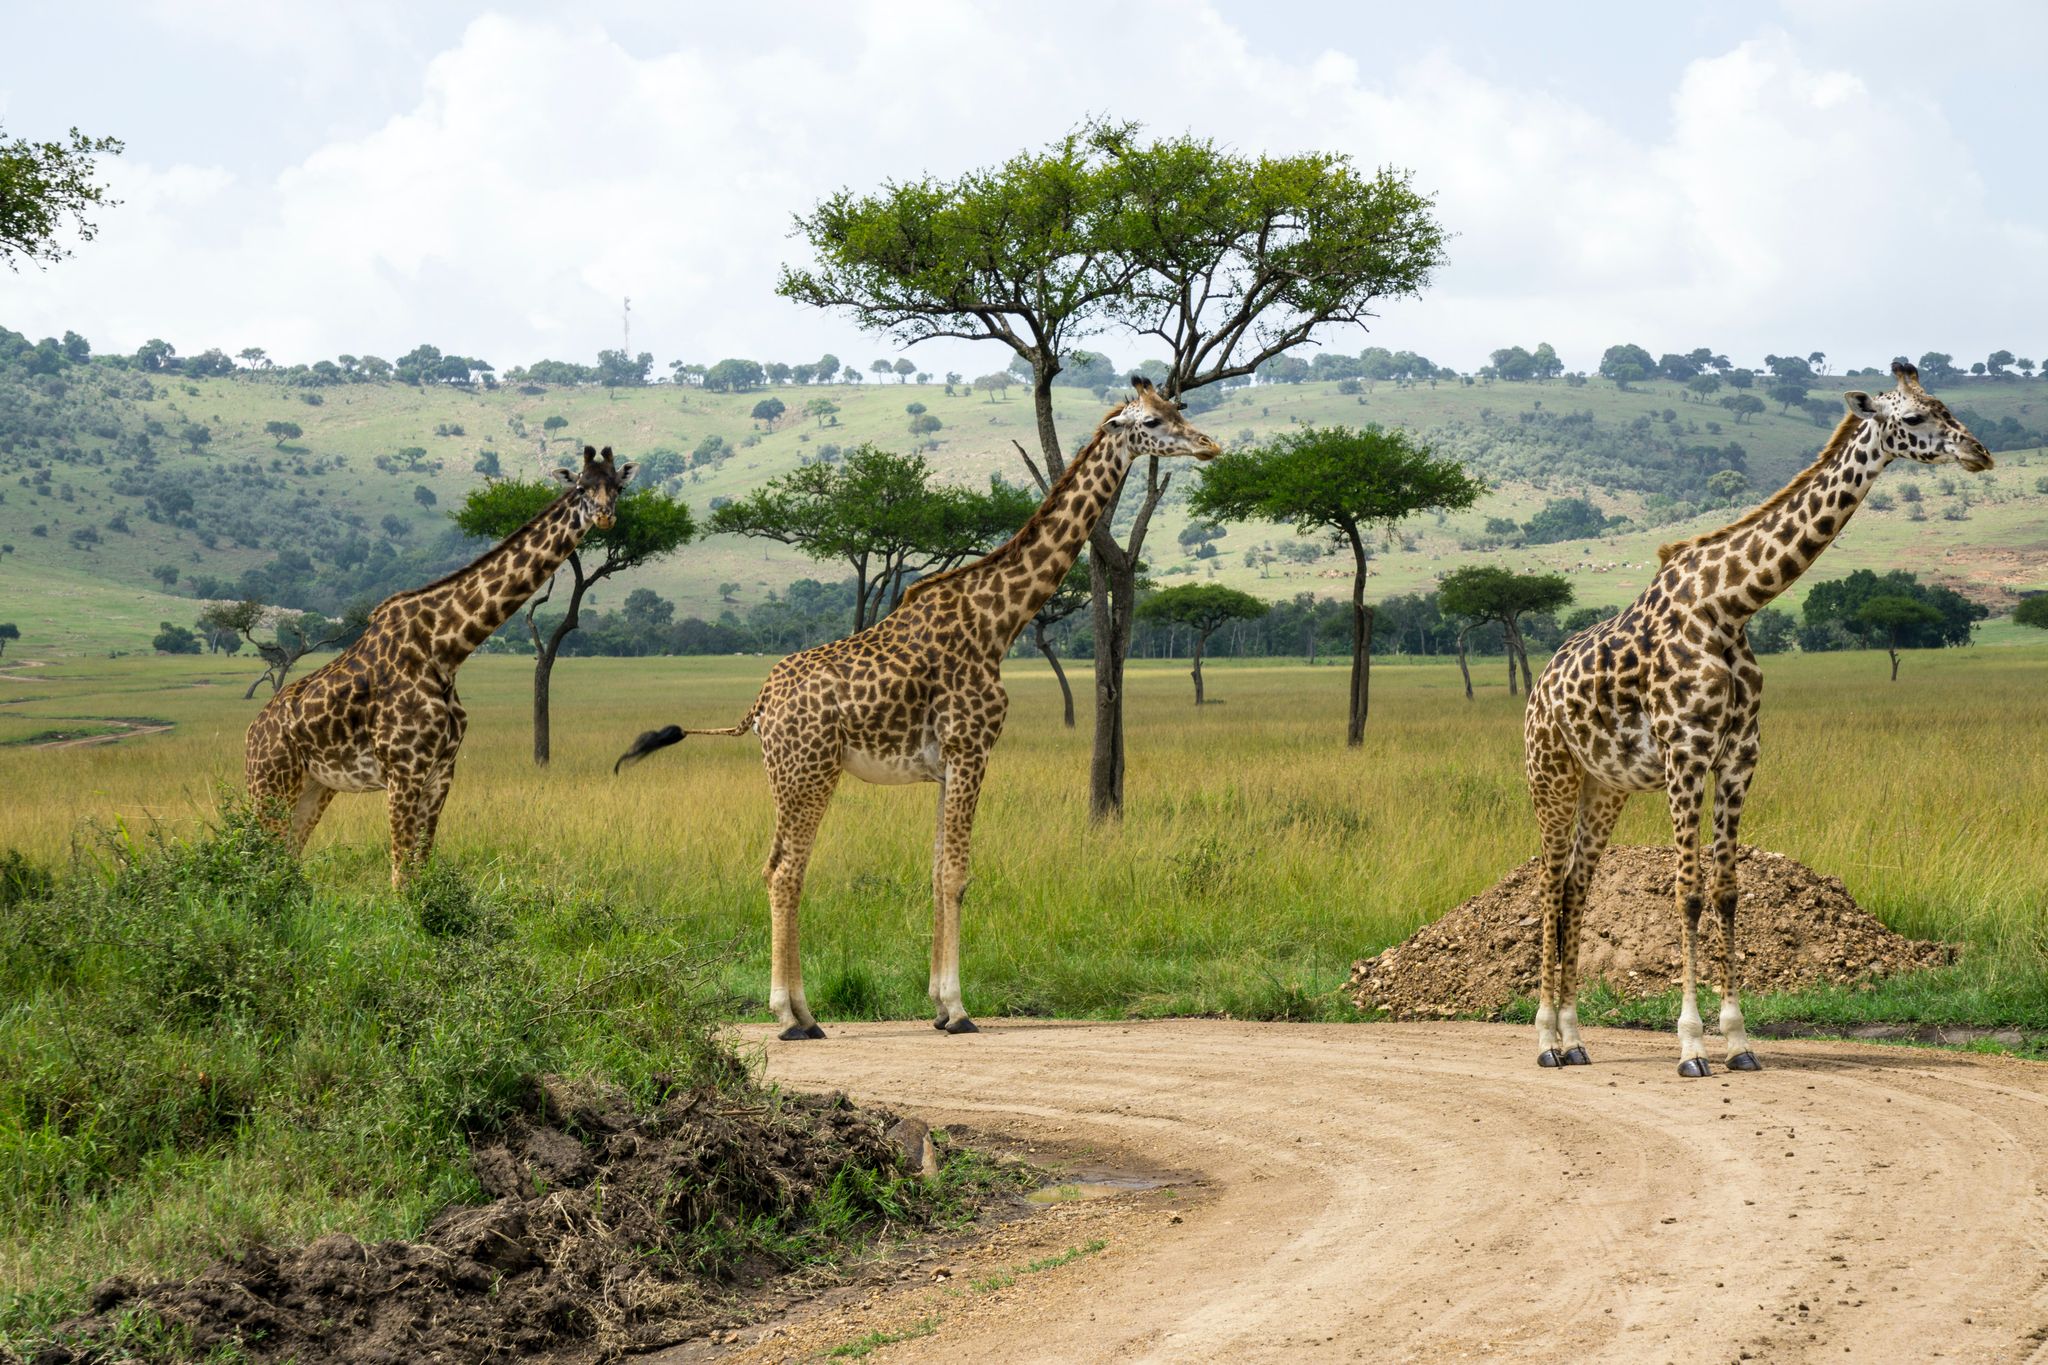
x=1426 y=1193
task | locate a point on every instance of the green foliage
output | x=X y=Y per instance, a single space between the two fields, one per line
x=44 y=184
x=174 y=639
x=1772 y=631
x=1202 y=607
x=647 y=524
x=1334 y=480
x=2032 y=612
x=1564 y=519
x=1487 y=592
x=1835 y=618
x=1626 y=364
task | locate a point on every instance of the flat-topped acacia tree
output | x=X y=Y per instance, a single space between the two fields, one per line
x=1483 y=593
x=1345 y=483
x=1204 y=608
x=1226 y=260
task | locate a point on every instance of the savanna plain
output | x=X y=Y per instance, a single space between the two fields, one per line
x=191 y=1069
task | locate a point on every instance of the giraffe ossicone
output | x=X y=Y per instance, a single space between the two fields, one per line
x=383 y=714
x=918 y=697
x=1665 y=696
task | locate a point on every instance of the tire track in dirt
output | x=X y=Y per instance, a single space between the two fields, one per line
x=1424 y=1192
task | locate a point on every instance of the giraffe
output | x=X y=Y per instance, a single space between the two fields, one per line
x=1665 y=696
x=383 y=713
x=918 y=697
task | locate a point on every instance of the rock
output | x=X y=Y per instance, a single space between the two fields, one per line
x=912 y=1139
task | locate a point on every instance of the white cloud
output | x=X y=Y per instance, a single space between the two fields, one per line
x=542 y=170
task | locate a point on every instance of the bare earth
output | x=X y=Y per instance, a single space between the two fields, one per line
x=1424 y=1192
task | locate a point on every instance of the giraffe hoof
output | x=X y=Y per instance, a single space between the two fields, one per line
x=1745 y=1061
x=813 y=1031
x=1550 y=1056
x=796 y=1033
x=962 y=1025
x=1692 y=1068
x=1577 y=1057
x=940 y=1022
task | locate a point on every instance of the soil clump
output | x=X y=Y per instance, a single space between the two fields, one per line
x=609 y=1232
x=1794 y=928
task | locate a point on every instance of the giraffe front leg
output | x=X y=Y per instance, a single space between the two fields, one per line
x=1687 y=786
x=312 y=804
x=1729 y=793
x=405 y=802
x=932 y=990
x=798 y=813
x=1554 y=780
x=956 y=820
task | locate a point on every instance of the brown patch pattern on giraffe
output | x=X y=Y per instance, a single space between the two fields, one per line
x=918 y=697
x=383 y=715
x=1665 y=697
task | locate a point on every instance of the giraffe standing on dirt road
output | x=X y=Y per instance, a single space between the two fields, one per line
x=384 y=714
x=1665 y=696
x=918 y=697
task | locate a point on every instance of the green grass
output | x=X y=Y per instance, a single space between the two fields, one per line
x=1004 y=1279
x=96 y=599
x=871 y=1341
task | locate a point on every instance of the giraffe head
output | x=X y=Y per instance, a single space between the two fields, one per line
x=1152 y=424
x=596 y=487
x=1913 y=424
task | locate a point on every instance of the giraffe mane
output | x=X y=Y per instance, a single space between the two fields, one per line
x=1009 y=549
x=445 y=579
x=1845 y=431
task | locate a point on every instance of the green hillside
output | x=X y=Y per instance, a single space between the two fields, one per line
x=99 y=466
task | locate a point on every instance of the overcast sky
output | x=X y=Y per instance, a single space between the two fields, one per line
x=1861 y=178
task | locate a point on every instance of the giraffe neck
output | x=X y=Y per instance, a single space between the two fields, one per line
x=1011 y=584
x=465 y=608
x=1736 y=572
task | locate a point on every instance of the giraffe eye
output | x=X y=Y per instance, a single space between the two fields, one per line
x=1914 y=419
x=1151 y=421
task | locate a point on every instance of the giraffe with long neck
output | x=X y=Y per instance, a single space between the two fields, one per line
x=1665 y=697
x=383 y=714
x=918 y=697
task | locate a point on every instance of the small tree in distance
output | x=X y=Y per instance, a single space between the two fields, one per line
x=1069 y=597
x=2032 y=612
x=1344 y=483
x=280 y=432
x=1894 y=618
x=1204 y=608
x=10 y=631
x=1484 y=592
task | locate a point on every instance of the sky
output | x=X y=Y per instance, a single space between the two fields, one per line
x=362 y=177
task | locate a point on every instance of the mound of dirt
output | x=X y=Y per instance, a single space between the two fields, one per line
x=578 y=1257
x=1794 y=928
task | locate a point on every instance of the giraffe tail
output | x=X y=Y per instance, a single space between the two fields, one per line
x=676 y=734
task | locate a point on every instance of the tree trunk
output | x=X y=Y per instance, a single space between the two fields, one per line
x=1109 y=614
x=1511 y=666
x=1522 y=652
x=1361 y=646
x=1045 y=648
x=545 y=652
x=1463 y=667
x=1894 y=651
x=1200 y=641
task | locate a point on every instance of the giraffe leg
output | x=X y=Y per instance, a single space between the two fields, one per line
x=798 y=813
x=277 y=778
x=1729 y=792
x=306 y=813
x=1554 y=781
x=405 y=802
x=434 y=795
x=939 y=1016
x=1687 y=789
x=956 y=824
x=1599 y=808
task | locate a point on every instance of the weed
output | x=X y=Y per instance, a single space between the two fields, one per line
x=862 y=1345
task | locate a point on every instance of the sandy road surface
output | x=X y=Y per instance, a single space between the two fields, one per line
x=1425 y=1192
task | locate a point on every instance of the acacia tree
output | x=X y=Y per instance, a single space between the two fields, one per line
x=2032 y=612
x=41 y=185
x=1483 y=593
x=880 y=514
x=646 y=526
x=293 y=635
x=1895 y=618
x=1230 y=260
x=10 y=631
x=1204 y=608
x=1342 y=483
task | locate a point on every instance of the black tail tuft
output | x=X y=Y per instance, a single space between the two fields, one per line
x=648 y=743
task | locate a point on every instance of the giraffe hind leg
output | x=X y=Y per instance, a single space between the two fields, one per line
x=1554 y=781
x=1599 y=808
x=799 y=810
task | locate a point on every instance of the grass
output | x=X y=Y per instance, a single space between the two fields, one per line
x=1257 y=861
x=1004 y=1279
x=871 y=1341
x=100 y=598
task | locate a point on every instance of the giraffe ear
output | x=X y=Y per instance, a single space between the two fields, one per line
x=590 y=455
x=626 y=473
x=1141 y=383
x=1860 y=404
x=564 y=475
